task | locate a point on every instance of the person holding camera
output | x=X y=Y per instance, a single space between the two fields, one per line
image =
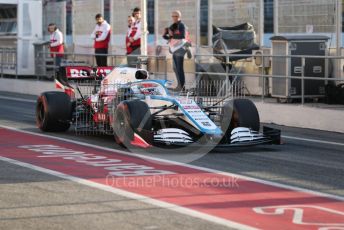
x=101 y=36
x=176 y=35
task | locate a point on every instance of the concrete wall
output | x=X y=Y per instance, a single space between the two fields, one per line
x=31 y=87
x=121 y=9
x=8 y=42
x=84 y=12
x=233 y=12
x=322 y=118
x=295 y=16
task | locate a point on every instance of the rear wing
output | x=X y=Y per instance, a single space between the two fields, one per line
x=69 y=74
x=85 y=72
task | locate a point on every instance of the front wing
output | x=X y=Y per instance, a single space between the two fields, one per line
x=268 y=137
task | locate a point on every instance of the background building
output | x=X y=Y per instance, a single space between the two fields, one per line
x=26 y=21
x=20 y=27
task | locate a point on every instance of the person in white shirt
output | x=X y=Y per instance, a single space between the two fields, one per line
x=137 y=26
x=130 y=33
x=135 y=37
x=56 y=44
x=101 y=36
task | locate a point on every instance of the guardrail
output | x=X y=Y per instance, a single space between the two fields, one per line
x=264 y=76
x=154 y=62
x=157 y=64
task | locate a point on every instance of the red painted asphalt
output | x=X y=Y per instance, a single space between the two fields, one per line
x=239 y=200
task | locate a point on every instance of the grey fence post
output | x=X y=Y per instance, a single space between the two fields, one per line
x=303 y=61
x=165 y=60
x=55 y=67
x=156 y=67
x=2 y=63
x=73 y=57
x=16 y=58
x=263 y=77
x=227 y=75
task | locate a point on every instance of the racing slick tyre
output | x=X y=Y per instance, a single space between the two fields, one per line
x=131 y=117
x=239 y=113
x=53 y=112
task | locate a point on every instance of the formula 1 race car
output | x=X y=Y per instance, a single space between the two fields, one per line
x=140 y=111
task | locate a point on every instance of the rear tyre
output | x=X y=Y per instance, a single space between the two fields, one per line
x=53 y=112
x=239 y=113
x=130 y=117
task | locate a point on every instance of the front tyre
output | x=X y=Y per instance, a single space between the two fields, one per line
x=131 y=117
x=53 y=112
x=239 y=113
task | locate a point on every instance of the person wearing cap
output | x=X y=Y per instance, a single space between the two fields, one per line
x=101 y=36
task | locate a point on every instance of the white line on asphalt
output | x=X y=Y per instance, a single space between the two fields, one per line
x=131 y=195
x=17 y=99
x=261 y=181
x=313 y=140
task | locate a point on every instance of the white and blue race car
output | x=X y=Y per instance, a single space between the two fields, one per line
x=140 y=111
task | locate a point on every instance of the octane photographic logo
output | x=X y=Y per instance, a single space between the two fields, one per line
x=202 y=108
x=175 y=182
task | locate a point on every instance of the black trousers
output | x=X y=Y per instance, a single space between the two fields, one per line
x=101 y=60
x=178 y=66
x=132 y=61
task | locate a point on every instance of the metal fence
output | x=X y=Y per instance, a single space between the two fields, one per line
x=8 y=61
x=302 y=77
x=228 y=82
x=156 y=64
